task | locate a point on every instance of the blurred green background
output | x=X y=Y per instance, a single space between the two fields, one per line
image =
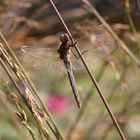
x=32 y=23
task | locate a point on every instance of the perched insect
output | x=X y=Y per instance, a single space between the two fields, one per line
x=64 y=58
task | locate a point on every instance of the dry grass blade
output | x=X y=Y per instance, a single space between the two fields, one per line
x=27 y=95
x=30 y=101
x=21 y=113
x=19 y=71
x=7 y=106
x=94 y=124
x=123 y=113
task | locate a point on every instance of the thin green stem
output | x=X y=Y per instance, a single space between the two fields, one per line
x=131 y=23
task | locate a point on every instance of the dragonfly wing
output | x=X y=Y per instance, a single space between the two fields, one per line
x=56 y=66
x=97 y=45
x=40 y=53
x=93 y=46
x=77 y=64
x=43 y=58
x=100 y=42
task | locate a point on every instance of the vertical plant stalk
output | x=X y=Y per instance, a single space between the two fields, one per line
x=7 y=106
x=92 y=10
x=28 y=89
x=90 y=74
x=94 y=124
x=52 y=124
x=21 y=113
x=138 y=4
x=30 y=102
x=127 y=107
x=131 y=23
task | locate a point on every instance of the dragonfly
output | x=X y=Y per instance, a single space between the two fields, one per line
x=93 y=46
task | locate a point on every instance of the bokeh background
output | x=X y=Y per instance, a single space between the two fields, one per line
x=34 y=23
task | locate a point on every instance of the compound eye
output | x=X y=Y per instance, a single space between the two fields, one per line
x=64 y=38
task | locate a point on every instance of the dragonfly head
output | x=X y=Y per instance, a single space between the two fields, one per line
x=64 y=38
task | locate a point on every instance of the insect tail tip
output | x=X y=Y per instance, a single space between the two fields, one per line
x=79 y=105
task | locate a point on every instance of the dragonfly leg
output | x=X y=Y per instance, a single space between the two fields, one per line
x=73 y=43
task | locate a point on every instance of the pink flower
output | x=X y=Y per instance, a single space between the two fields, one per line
x=57 y=103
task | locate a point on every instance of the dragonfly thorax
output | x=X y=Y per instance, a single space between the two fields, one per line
x=64 y=51
x=64 y=48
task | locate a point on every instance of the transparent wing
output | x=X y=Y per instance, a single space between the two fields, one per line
x=43 y=58
x=95 y=45
x=57 y=66
x=102 y=43
x=40 y=53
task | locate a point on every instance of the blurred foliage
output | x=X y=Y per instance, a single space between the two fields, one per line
x=28 y=21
